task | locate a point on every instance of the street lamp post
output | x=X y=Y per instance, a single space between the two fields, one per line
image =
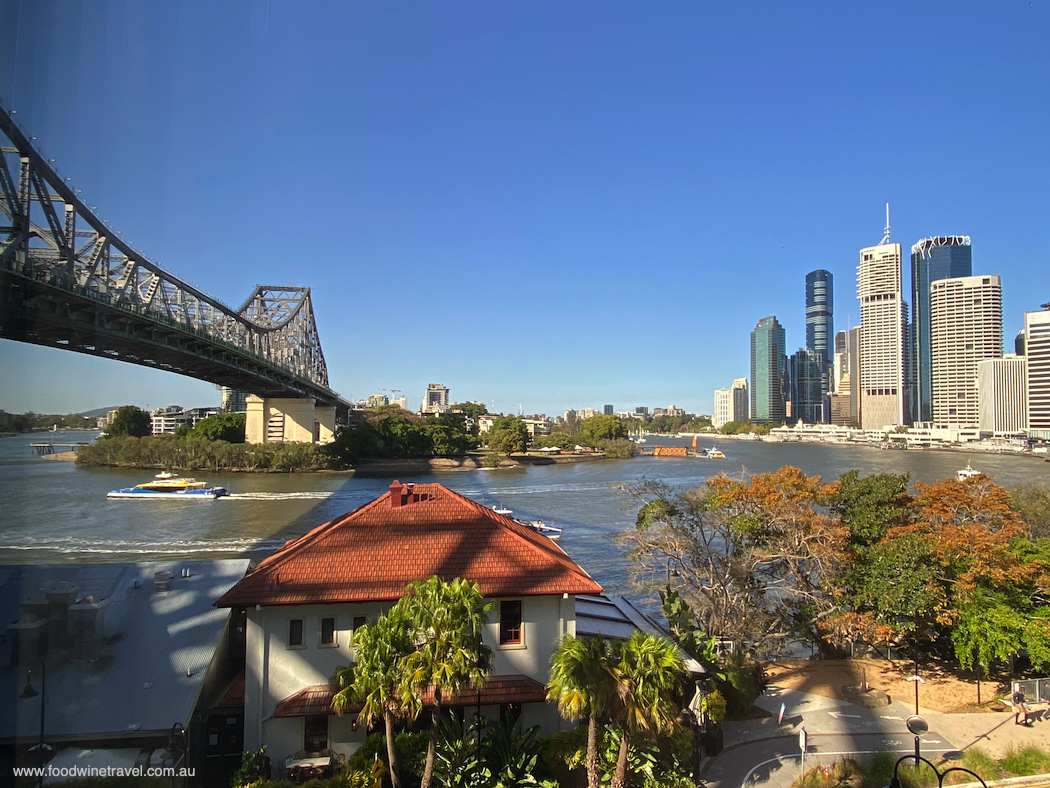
x=29 y=692
x=483 y=667
x=917 y=726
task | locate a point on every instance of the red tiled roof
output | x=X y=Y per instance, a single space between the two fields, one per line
x=498 y=690
x=234 y=694
x=411 y=533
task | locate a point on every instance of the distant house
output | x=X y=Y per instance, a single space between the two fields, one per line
x=122 y=660
x=303 y=603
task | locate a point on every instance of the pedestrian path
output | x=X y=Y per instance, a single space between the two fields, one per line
x=763 y=752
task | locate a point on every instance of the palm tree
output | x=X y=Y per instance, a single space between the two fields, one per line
x=447 y=623
x=651 y=671
x=584 y=682
x=377 y=678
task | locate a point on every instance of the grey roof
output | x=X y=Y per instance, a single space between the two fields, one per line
x=156 y=651
x=616 y=618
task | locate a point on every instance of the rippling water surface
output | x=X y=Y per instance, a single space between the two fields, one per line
x=52 y=511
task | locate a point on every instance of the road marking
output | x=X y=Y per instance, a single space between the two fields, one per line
x=839 y=715
x=782 y=758
x=887 y=717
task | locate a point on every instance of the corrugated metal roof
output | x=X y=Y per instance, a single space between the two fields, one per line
x=156 y=652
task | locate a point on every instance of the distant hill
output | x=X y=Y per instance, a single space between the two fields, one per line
x=97 y=412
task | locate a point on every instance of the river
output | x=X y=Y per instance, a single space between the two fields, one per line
x=53 y=511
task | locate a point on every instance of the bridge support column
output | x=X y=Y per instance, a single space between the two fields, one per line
x=288 y=420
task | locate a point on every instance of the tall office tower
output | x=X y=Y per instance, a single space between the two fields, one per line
x=768 y=372
x=607 y=410
x=807 y=378
x=436 y=399
x=1037 y=351
x=731 y=404
x=1002 y=404
x=966 y=326
x=883 y=329
x=1019 y=343
x=820 y=307
x=932 y=259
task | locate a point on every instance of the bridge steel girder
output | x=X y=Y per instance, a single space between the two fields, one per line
x=68 y=281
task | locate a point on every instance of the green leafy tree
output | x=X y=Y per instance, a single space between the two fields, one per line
x=377 y=678
x=227 y=427
x=583 y=682
x=871 y=505
x=507 y=434
x=559 y=440
x=129 y=420
x=651 y=674
x=447 y=620
x=598 y=428
x=1032 y=503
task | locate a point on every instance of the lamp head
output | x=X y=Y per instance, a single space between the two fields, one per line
x=29 y=692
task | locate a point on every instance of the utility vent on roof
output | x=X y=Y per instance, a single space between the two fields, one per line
x=405 y=494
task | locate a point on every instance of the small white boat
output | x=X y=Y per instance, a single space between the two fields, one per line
x=966 y=473
x=172 y=487
x=540 y=527
x=715 y=454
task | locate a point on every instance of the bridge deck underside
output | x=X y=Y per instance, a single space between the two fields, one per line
x=35 y=312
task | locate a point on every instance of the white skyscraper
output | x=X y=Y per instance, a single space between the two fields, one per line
x=966 y=326
x=731 y=404
x=1002 y=403
x=883 y=385
x=1037 y=351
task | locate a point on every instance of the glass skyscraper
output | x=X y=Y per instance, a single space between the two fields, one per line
x=932 y=259
x=809 y=374
x=820 y=308
x=768 y=372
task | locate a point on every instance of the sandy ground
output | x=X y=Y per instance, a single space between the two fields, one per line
x=943 y=691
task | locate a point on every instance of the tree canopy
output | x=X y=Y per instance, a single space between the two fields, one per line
x=784 y=556
x=129 y=420
x=507 y=434
x=227 y=427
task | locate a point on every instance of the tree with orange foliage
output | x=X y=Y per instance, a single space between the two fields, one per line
x=751 y=558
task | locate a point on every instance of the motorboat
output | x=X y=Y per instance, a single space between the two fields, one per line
x=715 y=454
x=966 y=473
x=540 y=527
x=171 y=486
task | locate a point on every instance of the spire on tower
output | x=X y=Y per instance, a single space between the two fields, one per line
x=886 y=232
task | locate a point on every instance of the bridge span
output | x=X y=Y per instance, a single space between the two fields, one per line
x=68 y=281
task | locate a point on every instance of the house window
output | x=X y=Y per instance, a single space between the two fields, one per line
x=315 y=734
x=295 y=633
x=328 y=631
x=359 y=621
x=510 y=622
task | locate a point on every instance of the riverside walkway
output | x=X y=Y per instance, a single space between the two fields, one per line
x=759 y=752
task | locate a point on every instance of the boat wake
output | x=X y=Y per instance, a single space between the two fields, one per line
x=282 y=496
x=74 y=545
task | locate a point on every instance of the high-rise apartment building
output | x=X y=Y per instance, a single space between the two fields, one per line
x=731 y=404
x=807 y=379
x=820 y=307
x=436 y=400
x=768 y=372
x=607 y=410
x=883 y=331
x=845 y=396
x=932 y=259
x=966 y=326
x=1037 y=352
x=1002 y=404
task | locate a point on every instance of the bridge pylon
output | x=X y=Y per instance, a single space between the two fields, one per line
x=288 y=419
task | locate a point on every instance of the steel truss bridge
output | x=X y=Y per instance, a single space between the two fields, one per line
x=68 y=281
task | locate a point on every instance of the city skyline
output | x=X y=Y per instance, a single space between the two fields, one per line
x=547 y=218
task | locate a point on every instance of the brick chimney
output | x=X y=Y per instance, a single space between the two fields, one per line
x=400 y=494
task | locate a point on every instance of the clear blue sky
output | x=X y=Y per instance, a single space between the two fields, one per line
x=557 y=204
